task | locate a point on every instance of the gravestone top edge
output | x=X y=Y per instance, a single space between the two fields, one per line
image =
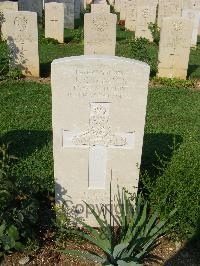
x=53 y=3
x=99 y=57
x=21 y=12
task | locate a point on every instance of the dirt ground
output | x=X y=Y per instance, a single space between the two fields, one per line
x=166 y=253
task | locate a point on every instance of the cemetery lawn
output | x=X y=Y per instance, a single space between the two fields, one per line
x=170 y=170
x=172 y=121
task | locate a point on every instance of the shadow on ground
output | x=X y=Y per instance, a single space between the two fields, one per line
x=45 y=70
x=192 y=69
x=188 y=255
x=155 y=146
x=25 y=142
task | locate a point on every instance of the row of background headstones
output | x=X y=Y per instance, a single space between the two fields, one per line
x=72 y=8
x=100 y=38
x=20 y=30
x=178 y=33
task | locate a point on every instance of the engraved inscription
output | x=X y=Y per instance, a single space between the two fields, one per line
x=99 y=132
x=99 y=83
x=21 y=29
x=176 y=38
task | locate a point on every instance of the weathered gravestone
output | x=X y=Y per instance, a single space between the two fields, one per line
x=174 y=47
x=69 y=12
x=87 y=2
x=99 y=107
x=97 y=8
x=194 y=16
x=186 y=4
x=125 y=5
x=100 y=33
x=8 y=5
x=54 y=21
x=22 y=39
x=100 y=1
x=131 y=15
x=77 y=9
x=196 y=6
x=146 y=14
x=31 y=5
x=117 y=5
x=111 y=2
x=168 y=8
x=195 y=3
x=5 y=7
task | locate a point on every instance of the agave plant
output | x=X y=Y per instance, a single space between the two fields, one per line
x=128 y=238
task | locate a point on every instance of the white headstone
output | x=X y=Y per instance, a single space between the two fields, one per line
x=8 y=5
x=99 y=108
x=125 y=5
x=187 y=4
x=117 y=5
x=174 y=47
x=5 y=7
x=69 y=12
x=99 y=33
x=22 y=39
x=97 y=8
x=168 y=8
x=146 y=14
x=54 y=21
x=194 y=15
x=100 y=1
x=131 y=16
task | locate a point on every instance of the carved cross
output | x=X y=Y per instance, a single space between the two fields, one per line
x=98 y=138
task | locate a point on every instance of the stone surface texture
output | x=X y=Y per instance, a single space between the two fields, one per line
x=100 y=33
x=194 y=15
x=22 y=39
x=54 y=21
x=99 y=108
x=146 y=14
x=174 y=47
x=168 y=8
x=100 y=8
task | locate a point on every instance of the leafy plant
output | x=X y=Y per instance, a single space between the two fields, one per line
x=14 y=74
x=44 y=40
x=145 y=51
x=155 y=32
x=4 y=61
x=64 y=225
x=9 y=238
x=78 y=35
x=128 y=238
x=5 y=71
x=19 y=205
x=174 y=82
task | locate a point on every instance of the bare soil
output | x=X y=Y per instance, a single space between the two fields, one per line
x=166 y=253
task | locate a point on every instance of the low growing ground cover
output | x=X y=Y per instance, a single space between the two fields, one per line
x=170 y=170
x=171 y=132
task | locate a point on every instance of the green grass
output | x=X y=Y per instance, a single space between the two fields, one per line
x=194 y=62
x=26 y=122
x=49 y=50
x=172 y=130
x=172 y=116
